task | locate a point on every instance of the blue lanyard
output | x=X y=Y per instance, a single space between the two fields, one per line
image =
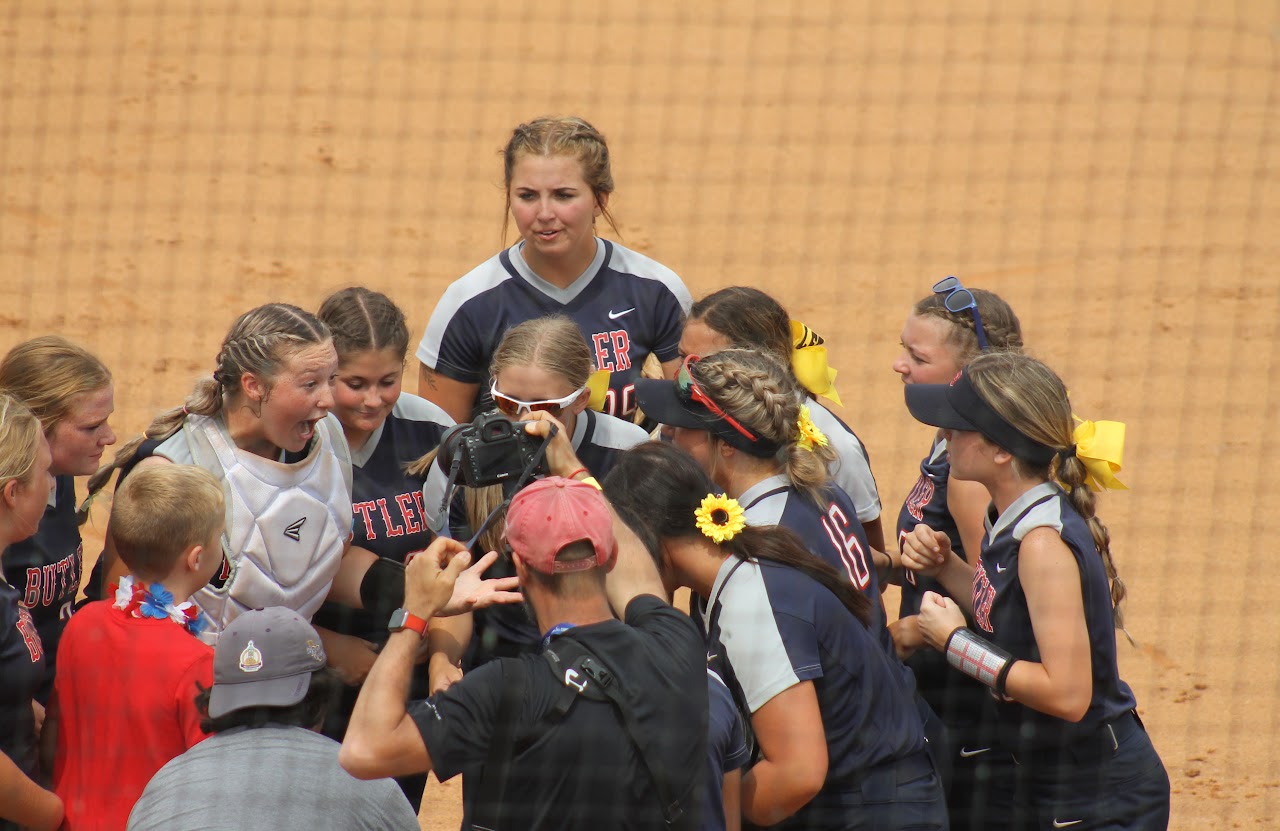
x=558 y=629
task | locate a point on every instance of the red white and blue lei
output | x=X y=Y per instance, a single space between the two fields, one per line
x=156 y=602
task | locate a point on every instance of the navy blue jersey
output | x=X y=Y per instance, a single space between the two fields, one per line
x=22 y=668
x=389 y=516
x=45 y=568
x=852 y=467
x=956 y=698
x=1000 y=610
x=770 y=627
x=727 y=749
x=832 y=533
x=627 y=306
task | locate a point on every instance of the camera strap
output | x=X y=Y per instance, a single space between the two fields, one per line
x=450 y=487
x=525 y=475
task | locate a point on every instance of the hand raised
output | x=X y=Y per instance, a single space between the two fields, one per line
x=925 y=551
x=939 y=616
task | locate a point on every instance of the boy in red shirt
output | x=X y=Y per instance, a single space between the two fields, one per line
x=128 y=668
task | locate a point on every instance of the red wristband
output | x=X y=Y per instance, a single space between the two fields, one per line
x=574 y=475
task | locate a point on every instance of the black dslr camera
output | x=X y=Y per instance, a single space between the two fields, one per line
x=490 y=450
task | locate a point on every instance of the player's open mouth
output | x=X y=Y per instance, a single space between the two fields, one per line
x=308 y=429
x=547 y=234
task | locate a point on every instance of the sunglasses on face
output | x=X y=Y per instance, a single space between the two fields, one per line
x=691 y=391
x=959 y=299
x=514 y=407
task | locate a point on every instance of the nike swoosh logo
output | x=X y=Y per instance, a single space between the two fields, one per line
x=1000 y=569
x=966 y=752
x=1067 y=824
x=613 y=316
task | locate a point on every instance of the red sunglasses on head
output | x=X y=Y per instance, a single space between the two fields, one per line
x=690 y=390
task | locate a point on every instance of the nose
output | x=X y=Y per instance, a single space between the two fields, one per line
x=325 y=400
x=372 y=398
x=108 y=436
x=900 y=365
x=544 y=209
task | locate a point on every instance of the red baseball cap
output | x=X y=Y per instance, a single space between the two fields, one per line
x=553 y=513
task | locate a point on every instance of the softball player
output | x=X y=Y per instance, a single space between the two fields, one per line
x=262 y=425
x=25 y=482
x=70 y=391
x=558 y=181
x=386 y=430
x=541 y=365
x=1044 y=597
x=747 y=318
x=838 y=743
x=940 y=336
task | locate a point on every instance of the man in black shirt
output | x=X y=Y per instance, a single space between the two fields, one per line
x=615 y=741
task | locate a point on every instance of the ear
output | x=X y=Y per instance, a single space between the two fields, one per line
x=10 y=493
x=191 y=557
x=581 y=402
x=254 y=389
x=521 y=569
x=1001 y=456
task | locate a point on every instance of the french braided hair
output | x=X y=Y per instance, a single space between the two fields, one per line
x=1004 y=332
x=561 y=136
x=260 y=342
x=361 y=319
x=655 y=487
x=1033 y=399
x=759 y=392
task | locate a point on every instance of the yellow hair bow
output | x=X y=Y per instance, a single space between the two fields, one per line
x=1100 y=446
x=809 y=361
x=598 y=385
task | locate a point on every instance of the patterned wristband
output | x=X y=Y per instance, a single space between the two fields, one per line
x=979 y=658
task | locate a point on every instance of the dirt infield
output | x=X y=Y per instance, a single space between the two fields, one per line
x=1111 y=169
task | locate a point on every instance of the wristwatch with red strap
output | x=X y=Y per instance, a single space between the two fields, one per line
x=402 y=619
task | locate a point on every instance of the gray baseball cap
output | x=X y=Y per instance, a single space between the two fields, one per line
x=265 y=658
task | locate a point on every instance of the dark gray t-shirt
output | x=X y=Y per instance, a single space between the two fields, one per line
x=282 y=778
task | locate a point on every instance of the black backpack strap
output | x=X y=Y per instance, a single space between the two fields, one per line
x=488 y=803
x=587 y=676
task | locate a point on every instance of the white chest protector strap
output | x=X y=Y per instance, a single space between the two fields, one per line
x=286 y=524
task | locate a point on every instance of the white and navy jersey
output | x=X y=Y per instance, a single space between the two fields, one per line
x=22 y=671
x=389 y=517
x=1001 y=613
x=832 y=533
x=956 y=698
x=770 y=627
x=627 y=306
x=45 y=569
x=852 y=468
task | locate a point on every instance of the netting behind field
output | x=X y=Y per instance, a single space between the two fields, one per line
x=1109 y=168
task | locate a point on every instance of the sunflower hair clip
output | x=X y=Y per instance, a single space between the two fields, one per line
x=719 y=517
x=809 y=435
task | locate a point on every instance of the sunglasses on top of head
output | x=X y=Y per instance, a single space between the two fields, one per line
x=959 y=299
x=690 y=390
x=514 y=407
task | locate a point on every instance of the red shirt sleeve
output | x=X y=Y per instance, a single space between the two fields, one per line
x=200 y=671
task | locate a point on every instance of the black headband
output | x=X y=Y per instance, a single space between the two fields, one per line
x=959 y=407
